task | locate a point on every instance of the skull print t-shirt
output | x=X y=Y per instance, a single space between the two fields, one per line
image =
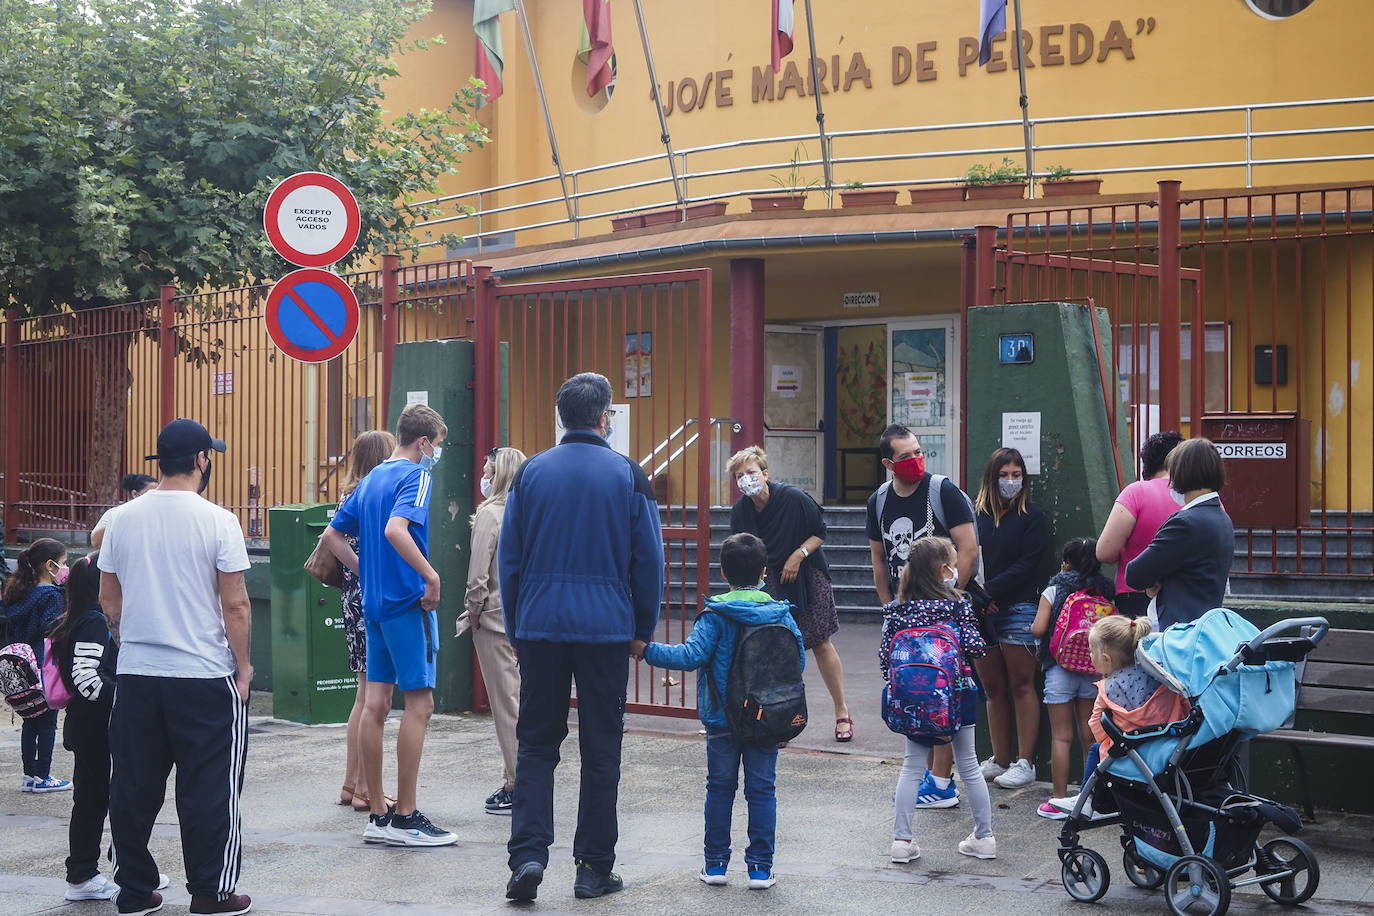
x=906 y=518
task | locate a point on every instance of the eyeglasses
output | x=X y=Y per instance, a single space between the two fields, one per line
x=492 y=453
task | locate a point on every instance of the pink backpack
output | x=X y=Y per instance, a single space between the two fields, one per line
x=1069 y=643
x=53 y=687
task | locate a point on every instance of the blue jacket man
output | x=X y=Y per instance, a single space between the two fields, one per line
x=581 y=569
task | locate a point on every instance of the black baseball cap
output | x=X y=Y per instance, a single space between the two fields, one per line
x=182 y=438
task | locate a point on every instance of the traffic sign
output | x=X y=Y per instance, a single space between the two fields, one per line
x=312 y=219
x=312 y=315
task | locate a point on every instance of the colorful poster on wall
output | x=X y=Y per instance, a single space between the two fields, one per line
x=861 y=385
x=918 y=377
x=639 y=375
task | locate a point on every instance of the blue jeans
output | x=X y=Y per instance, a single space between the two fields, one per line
x=36 y=738
x=723 y=756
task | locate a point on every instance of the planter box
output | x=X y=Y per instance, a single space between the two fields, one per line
x=1070 y=187
x=777 y=202
x=622 y=223
x=701 y=211
x=1006 y=190
x=662 y=217
x=937 y=194
x=874 y=198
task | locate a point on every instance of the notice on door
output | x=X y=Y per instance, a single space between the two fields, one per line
x=1021 y=431
x=787 y=381
x=920 y=388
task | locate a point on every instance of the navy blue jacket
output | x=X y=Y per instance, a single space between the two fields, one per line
x=30 y=619
x=581 y=551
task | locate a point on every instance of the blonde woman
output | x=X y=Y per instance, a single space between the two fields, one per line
x=369 y=450
x=485 y=616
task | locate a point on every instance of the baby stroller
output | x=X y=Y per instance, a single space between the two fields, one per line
x=1178 y=791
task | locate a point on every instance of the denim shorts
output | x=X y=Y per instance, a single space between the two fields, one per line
x=1013 y=624
x=1062 y=686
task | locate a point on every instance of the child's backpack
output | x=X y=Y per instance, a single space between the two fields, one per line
x=54 y=689
x=765 y=701
x=921 y=698
x=20 y=681
x=1069 y=642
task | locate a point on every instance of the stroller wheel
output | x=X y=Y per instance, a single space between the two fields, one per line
x=1291 y=854
x=1141 y=873
x=1197 y=886
x=1085 y=875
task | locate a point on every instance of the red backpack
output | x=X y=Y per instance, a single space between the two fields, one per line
x=1069 y=643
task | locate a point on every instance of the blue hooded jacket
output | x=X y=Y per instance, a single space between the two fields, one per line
x=713 y=642
x=30 y=619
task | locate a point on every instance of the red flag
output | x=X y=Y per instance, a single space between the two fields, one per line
x=782 y=31
x=597 y=16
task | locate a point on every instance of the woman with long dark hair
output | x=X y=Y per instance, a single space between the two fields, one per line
x=33 y=603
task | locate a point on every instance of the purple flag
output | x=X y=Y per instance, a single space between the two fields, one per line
x=992 y=21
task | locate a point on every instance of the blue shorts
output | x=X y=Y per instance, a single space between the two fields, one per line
x=402 y=650
x=1013 y=624
x=1062 y=686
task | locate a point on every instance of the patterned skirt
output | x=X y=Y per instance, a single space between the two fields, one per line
x=355 y=633
x=818 y=621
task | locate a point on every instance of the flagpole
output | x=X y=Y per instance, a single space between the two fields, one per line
x=544 y=103
x=820 y=112
x=658 y=106
x=1025 y=102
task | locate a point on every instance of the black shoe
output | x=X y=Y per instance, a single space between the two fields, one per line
x=151 y=904
x=590 y=883
x=500 y=802
x=524 y=882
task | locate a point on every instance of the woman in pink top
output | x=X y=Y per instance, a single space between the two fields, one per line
x=1136 y=517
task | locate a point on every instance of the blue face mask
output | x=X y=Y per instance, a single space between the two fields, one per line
x=609 y=430
x=429 y=461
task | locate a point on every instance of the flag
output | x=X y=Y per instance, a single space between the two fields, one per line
x=992 y=21
x=782 y=31
x=595 y=49
x=490 y=58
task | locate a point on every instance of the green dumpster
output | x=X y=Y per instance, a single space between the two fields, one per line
x=311 y=682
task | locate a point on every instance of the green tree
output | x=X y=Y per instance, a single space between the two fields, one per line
x=139 y=140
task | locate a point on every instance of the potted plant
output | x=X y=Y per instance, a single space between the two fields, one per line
x=854 y=195
x=627 y=221
x=707 y=208
x=1060 y=181
x=937 y=193
x=995 y=182
x=791 y=185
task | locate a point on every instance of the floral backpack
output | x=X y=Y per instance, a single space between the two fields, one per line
x=922 y=696
x=20 y=682
x=1069 y=642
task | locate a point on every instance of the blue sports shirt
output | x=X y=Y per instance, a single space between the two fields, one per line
x=398 y=487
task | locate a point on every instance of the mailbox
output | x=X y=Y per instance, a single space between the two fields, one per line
x=1268 y=467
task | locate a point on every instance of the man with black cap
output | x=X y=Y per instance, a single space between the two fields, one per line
x=172 y=587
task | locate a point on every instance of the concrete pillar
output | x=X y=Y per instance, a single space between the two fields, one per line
x=746 y=349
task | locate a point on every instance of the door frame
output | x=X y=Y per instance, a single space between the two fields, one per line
x=818 y=433
x=953 y=377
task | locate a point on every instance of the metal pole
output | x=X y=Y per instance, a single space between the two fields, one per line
x=1025 y=102
x=820 y=112
x=1170 y=319
x=312 y=432
x=544 y=103
x=658 y=106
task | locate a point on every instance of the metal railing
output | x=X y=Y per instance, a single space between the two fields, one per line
x=1228 y=125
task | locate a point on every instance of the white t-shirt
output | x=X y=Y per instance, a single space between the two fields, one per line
x=108 y=517
x=166 y=548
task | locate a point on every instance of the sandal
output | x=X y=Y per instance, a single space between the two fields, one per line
x=844 y=734
x=345 y=789
x=367 y=802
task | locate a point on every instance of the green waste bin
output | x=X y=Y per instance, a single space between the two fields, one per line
x=311 y=681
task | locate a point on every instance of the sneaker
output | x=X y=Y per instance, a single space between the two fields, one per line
x=26 y=785
x=1066 y=805
x=51 y=785
x=414 y=829
x=524 y=882
x=1048 y=810
x=1019 y=775
x=713 y=875
x=904 y=851
x=375 y=831
x=761 y=879
x=500 y=802
x=96 y=888
x=984 y=847
x=151 y=904
x=992 y=769
x=590 y=883
x=232 y=905
x=928 y=795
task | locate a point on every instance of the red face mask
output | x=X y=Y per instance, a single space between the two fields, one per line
x=910 y=470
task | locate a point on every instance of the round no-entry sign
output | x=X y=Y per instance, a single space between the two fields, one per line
x=312 y=315
x=312 y=219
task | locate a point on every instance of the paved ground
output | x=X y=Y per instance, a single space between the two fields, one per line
x=303 y=855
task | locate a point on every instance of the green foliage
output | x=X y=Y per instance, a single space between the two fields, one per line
x=792 y=181
x=854 y=186
x=1007 y=172
x=140 y=138
x=1058 y=173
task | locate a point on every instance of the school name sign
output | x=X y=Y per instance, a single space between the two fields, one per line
x=1068 y=44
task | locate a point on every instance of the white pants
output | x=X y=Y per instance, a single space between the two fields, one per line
x=914 y=769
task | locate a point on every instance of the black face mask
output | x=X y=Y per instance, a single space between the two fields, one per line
x=205 y=477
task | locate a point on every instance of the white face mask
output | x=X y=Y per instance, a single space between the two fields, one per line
x=951 y=581
x=751 y=484
x=1178 y=497
x=485 y=487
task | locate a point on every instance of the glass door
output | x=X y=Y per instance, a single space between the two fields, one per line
x=923 y=388
x=792 y=407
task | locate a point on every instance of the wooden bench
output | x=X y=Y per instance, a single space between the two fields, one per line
x=1338 y=676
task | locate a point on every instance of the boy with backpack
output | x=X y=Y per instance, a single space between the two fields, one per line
x=749 y=697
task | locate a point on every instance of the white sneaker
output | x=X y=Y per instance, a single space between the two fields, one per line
x=1019 y=775
x=162 y=882
x=992 y=769
x=26 y=785
x=96 y=888
x=904 y=851
x=979 y=847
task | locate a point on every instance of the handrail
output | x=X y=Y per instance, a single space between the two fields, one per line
x=667 y=443
x=1244 y=133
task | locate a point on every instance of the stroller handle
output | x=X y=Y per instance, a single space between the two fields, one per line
x=1275 y=629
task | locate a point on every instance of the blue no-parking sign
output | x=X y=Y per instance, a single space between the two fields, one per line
x=312 y=315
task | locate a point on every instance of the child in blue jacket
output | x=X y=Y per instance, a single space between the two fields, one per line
x=742 y=560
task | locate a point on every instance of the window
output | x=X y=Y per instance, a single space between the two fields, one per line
x=1278 y=9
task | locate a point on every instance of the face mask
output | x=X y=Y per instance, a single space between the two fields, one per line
x=61 y=575
x=951 y=581
x=429 y=461
x=609 y=431
x=205 y=477
x=1008 y=488
x=485 y=487
x=751 y=484
x=910 y=470
x=1178 y=497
